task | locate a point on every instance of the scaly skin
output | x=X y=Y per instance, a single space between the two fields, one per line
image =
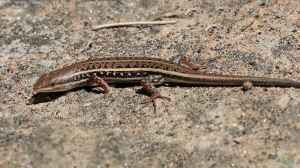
x=144 y=71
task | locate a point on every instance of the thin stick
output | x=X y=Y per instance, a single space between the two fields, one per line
x=133 y=24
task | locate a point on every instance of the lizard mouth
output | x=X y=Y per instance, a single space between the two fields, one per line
x=40 y=83
x=62 y=87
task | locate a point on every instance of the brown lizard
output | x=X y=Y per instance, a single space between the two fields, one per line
x=144 y=71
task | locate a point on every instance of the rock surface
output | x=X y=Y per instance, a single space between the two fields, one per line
x=200 y=127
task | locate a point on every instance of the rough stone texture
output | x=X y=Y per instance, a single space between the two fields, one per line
x=200 y=127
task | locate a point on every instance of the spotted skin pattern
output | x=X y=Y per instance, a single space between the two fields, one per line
x=144 y=71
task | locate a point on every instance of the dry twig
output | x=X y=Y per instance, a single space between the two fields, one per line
x=142 y=23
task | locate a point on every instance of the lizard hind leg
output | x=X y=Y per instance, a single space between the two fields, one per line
x=247 y=85
x=148 y=87
x=187 y=62
x=100 y=83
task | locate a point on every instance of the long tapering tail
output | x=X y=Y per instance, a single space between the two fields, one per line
x=231 y=80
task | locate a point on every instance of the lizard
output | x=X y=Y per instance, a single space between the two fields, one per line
x=145 y=71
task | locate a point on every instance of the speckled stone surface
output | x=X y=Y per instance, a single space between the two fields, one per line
x=200 y=127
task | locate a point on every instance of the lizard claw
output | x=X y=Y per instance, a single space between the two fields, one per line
x=154 y=94
x=154 y=97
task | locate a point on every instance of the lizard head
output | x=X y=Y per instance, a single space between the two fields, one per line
x=54 y=81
